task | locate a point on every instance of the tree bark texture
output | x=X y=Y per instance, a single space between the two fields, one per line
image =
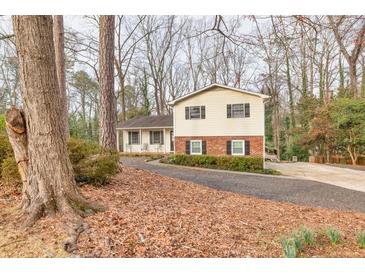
x=52 y=188
x=16 y=130
x=108 y=103
x=59 y=44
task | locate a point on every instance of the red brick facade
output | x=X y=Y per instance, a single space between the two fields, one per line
x=217 y=145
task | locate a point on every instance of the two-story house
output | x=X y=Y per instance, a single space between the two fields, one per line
x=215 y=120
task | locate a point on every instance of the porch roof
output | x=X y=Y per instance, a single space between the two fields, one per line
x=164 y=121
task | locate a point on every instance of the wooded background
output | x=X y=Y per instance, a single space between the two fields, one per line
x=313 y=67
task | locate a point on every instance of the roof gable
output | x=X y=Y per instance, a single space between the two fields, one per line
x=219 y=86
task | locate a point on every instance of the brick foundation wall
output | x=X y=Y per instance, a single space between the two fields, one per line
x=217 y=145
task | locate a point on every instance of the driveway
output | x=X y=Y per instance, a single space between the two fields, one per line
x=279 y=188
x=339 y=176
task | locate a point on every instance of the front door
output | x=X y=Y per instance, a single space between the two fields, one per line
x=172 y=146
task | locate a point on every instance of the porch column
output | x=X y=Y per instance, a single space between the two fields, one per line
x=165 y=142
x=118 y=147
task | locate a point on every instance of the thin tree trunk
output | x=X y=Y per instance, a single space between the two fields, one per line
x=341 y=88
x=353 y=155
x=108 y=103
x=52 y=187
x=59 y=44
x=353 y=80
x=363 y=81
x=122 y=90
x=290 y=90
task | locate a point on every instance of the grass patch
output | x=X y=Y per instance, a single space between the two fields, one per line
x=334 y=235
x=296 y=243
x=289 y=248
x=361 y=239
x=307 y=235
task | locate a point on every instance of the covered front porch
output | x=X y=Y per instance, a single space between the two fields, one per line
x=147 y=134
x=145 y=140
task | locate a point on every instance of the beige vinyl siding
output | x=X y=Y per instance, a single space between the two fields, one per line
x=145 y=145
x=216 y=122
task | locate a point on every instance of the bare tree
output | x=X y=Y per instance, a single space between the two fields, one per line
x=359 y=43
x=161 y=51
x=126 y=47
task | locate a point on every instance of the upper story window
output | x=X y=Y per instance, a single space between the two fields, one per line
x=194 y=112
x=238 y=110
x=133 y=137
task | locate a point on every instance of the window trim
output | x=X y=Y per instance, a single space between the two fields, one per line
x=243 y=148
x=191 y=147
x=160 y=141
x=131 y=140
x=230 y=111
x=243 y=110
x=200 y=112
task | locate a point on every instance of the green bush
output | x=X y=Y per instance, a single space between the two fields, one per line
x=9 y=170
x=79 y=149
x=235 y=163
x=2 y=123
x=97 y=168
x=5 y=150
x=91 y=163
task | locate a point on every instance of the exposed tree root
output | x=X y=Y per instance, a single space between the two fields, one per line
x=72 y=210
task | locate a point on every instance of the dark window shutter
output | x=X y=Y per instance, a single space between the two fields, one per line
x=204 y=147
x=229 y=111
x=187 y=116
x=187 y=147
x=247 y=110
x=247 y=147
x=151 y=137
x=129 y=137
x=202 y=112
x=162 y=137
x=229 y=147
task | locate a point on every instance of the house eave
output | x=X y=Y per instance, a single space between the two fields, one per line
x=263 y=96
x=134 y=128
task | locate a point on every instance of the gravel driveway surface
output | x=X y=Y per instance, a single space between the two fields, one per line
x=298 y=191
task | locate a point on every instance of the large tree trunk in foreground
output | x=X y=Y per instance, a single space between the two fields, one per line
x=59 y=44
x=52 y=188
x=108 y=102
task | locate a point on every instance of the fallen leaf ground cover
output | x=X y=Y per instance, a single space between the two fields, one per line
x=150 y=215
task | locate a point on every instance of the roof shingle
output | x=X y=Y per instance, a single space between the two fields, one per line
x=148 y=122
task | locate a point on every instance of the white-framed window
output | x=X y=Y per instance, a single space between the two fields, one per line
x=196 y=147
x=238 y=147
x=133 y=137
x=156 y=137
